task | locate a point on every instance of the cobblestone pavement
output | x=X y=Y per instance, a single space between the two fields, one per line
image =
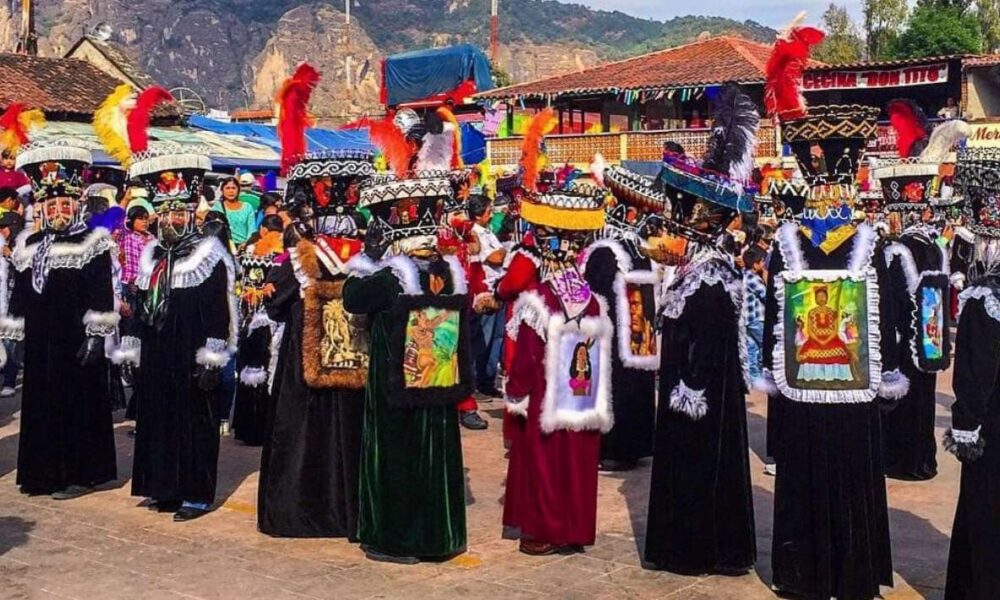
x=103 y=546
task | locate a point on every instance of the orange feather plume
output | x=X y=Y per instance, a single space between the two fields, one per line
x=292 y=102
x=396 y=149
x=449 y=117
x=531 y=150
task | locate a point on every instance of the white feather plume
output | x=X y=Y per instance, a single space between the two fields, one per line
x=437 y=150
x=943 y=139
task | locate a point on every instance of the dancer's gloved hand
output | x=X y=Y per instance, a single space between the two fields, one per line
x=208 y=378
x=128 y=373
x=91 y=351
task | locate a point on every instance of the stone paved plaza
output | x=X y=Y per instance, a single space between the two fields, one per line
x=103 y=546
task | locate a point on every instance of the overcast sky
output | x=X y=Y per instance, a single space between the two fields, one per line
x=775 y=13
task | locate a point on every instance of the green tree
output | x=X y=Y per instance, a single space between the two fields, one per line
x=938 y=31
x=842 y=44
x=988 y=13
x=501 y=78
x=883 y=20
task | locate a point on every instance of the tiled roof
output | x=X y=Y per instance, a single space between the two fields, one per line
x=61 y=85
x=889 y=64
x=985 y=60
x=244 y=114
x=706 y=62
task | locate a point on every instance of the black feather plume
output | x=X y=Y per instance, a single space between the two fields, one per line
x=734 y=134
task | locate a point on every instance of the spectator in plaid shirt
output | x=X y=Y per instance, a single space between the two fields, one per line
x=753 y=304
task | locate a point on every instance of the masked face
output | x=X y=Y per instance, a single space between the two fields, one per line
x=59 y=213
x=173 y=226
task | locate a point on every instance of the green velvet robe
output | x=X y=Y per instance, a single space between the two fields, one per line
x=412 y=481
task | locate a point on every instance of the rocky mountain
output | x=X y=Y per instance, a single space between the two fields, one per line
x=234 y=53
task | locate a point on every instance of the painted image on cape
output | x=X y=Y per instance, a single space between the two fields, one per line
x=430 y=352
x=826 y=341
x=642 y=341
x=579 y=369
x=931 y=320
x=343 y=345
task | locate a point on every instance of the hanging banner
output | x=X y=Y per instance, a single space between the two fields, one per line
x=984 y=135
x=875 y=78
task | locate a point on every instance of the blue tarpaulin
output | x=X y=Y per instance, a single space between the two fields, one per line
x=473 y=145
x=413 y=76
x=318 y=139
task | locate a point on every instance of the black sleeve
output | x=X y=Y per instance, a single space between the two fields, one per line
x=372 y=294
x=977 y=365
x=286 y=292
x=601 y=271
x=100 y=318
x=216 y=297
x=771 y=316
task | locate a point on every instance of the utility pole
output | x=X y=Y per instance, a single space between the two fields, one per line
x=347 y=58
x=28 y=40
x=495 y=32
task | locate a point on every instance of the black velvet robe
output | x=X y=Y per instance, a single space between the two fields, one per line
x=309 y=465
x=908 y=429
x=831 y=524
x=67 y=436
x=177 y=432
x=253 y=397
x=633 y=390
x=700 y=499
x=973 y=572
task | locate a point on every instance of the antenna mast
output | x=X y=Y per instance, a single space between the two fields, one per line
x=28 y=42
x=494 y=31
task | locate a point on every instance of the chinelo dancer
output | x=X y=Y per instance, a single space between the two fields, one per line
x=188 y=328
x=700 y=502
x=561 y=410
x=823 y=369
x=62 y=306
x=412 y=480
x=975 y=415
x=916 y=302
x=619 y=268
x=312 y=444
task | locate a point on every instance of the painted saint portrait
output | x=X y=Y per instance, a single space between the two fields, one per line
x=642 y=340
x=931 y=320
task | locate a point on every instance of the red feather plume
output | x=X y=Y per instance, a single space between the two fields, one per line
x=10 y=123
x=910 y=124
x=397 y=150
x=783 y=90
x=138 y=119
x=293 y=114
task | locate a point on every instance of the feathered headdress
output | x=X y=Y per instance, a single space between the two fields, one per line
x=449 y=117
x=292 y=102
x=734 y=135
x=944 y=137
x=531 y=149
x=910 y=124
x=16 y=124
x=437 y=150
x=111 y=123
x=397 y=151
x=783 y=90
x=138 y=119
x=597 y=168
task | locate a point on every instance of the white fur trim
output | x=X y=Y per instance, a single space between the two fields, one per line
x=966 y=437
x=214 y=354
x=622 y=257
x=253 y=376
x=459 y=285
x=190 y=271
x=765 y=383
x=965 y=234
x=687 y=401
x=11 y=328
x=260 y=319
x=361 y=265
x=863 y=249
x=64 y=255
x=601 y=416
x=300 y=275
x=896 y=251
x=406 y=273
x=957 y=280
x=791 y=248
x=517 y=406
x=894 y=385
x=990 y=301
x=128 y=351
x=272 y=361
x=523 y=252
x=830 y=396
x=100 y=324
x=530 y=309
x=4 y=280
x=624 y=325
x=968 y=446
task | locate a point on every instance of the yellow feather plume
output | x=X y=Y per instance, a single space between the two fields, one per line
x=16 y=125
x=111 y=123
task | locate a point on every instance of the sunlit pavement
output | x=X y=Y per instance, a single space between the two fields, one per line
x=104 y=546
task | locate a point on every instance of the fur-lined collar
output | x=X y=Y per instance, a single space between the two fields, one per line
x=190 y=271
x=63 y=254
x=621 y=255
